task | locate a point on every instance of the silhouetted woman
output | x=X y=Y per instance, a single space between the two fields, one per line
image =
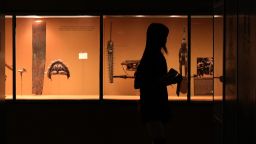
x=149 y=78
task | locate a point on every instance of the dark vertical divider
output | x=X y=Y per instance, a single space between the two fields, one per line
x=14 y=56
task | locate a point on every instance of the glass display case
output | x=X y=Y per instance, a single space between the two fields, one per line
x=124 y=43
x=8 y=57
x=206 y=57
x=57 y=57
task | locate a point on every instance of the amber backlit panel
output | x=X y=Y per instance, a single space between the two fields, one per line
x=129 y=37
x=65 y=39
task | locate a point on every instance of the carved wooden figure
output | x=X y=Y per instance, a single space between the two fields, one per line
x=38 y=56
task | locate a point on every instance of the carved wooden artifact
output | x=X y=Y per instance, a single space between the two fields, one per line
x=38 y=56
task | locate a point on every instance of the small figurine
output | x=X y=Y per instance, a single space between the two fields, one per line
x=183 y=57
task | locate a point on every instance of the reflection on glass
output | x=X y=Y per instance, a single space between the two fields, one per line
x=124 y=43
x=202 y=58
x=49 y=63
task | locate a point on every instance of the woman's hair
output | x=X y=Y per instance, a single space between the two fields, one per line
x=156 y=37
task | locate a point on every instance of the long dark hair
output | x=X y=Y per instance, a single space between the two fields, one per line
x=156 y=38
x=156 y=41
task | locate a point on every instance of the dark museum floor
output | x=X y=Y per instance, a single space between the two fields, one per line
x=94 y=122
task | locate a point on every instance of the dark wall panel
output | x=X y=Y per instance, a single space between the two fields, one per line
x=246 y=86
x=230 y=98
x=240 y=90
x=230 y=89
x=94 y=122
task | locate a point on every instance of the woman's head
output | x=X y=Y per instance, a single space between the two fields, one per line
x=157 y=36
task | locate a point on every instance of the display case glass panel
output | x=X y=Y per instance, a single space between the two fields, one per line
x=202 y=58
x=57 y=57
x=8 y=57
x=2 y=57
x=218 y=55
x=124 y=44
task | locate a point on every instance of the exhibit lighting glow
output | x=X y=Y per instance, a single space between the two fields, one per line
x=38 y=21
x=139 y=16
x=177 y=16
x=52 y=16
x=30 y=16
x=218 y=16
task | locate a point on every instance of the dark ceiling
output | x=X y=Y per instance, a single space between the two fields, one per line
x=106 y=7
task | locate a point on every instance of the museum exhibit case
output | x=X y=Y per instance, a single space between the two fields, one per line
x=95 y=57
x=206 y=57
x=57 y=57
x=124 y=43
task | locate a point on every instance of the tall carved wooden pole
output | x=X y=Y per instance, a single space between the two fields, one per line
x=38 y=56
x=110 y=49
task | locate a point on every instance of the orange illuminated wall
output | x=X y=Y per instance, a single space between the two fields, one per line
x=2 y=55
x=129 y=37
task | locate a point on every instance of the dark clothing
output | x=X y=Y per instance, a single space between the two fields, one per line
x=153 y=91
